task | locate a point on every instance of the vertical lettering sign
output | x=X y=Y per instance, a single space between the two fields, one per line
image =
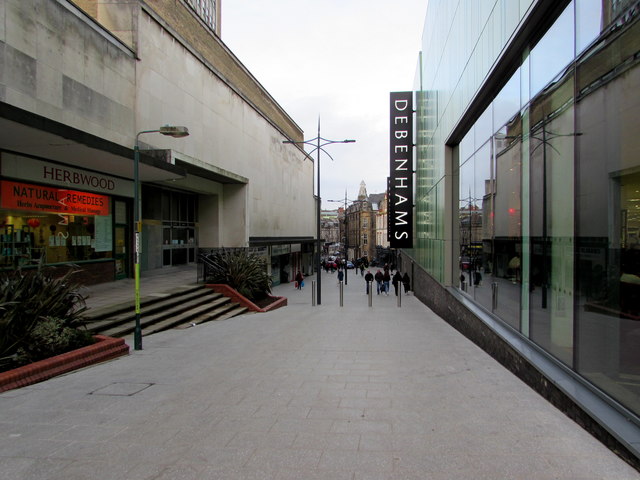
x=401 y=171
x=389 y=209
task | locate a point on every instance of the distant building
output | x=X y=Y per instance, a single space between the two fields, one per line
x=381 y=223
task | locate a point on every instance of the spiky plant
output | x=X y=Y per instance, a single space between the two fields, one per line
x=26 y=299
x=242 y=271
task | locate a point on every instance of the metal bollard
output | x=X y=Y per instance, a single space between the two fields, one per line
x=399 y=297
x=494 y=296
x=341 y=294
x=313 y=293
x=370 y=294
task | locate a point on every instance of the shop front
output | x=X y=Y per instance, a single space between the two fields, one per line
x=281 y=264
x=287 y=259
x=53 y=214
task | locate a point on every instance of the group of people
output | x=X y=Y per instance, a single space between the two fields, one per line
x=383 y=279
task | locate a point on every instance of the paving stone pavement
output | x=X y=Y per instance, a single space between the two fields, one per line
x=304 y=393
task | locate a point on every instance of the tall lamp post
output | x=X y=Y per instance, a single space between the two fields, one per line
x=319 y=143
x=171 y=131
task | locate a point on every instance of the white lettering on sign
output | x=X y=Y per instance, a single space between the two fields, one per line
x=400 y=182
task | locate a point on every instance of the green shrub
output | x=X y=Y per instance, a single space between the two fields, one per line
x=242 y=271
x=28 y=298
x=51 y=336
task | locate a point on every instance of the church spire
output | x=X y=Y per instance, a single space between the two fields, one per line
x=362 y=194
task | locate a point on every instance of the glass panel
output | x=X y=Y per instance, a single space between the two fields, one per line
x=588 y=22
x=151 y=203
x=554 y=51
x=467 y=146
x=551 y=144
x=507 y=103
x=179 y=256
x=484 y=127
x=184 y=207
x=608 y=240
x=482 y=226
x=466 y=228
x=120 y=212
x=506 y=259
x=174 y=207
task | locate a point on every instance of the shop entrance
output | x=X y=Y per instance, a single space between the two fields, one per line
x=121 y=236
x=121 y=256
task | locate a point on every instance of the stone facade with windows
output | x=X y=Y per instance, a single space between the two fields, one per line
x=85 y=81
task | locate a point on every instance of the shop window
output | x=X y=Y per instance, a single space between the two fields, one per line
x=608 y=221
x=53 y=225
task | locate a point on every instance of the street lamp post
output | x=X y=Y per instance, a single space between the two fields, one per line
x=319 y=144
x=171 y=131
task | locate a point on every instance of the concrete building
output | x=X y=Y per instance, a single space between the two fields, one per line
x=80 y=82
x=526 y=208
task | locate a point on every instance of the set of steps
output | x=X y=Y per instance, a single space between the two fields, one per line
x=183 y=307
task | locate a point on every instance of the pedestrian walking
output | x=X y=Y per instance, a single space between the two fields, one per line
x=340 y=276
x=368 y=279
x=406 y=282
x=299 y=280
x=386 y=279
x=379 y=277
x=397 y=280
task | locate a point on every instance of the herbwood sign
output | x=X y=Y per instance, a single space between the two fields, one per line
x=401 y=171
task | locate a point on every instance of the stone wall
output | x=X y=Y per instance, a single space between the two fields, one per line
x=53 y=65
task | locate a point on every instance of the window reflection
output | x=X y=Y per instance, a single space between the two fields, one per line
x=562 y=169
x=553 y=52
x=588 y=22
x=608 y=226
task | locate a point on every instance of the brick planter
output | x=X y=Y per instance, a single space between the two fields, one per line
x=105 y=348
x=231 y=293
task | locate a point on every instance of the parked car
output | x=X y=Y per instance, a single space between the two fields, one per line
x=350 y=265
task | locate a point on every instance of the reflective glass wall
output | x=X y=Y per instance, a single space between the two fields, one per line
x=546 y=183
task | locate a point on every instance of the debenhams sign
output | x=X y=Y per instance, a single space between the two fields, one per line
x=400 y=223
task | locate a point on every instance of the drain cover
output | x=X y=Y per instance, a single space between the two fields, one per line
x=121 y=389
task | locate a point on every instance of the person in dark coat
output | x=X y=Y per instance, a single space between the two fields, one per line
x=397 y=280
x=379 y=277
x=368 y=279
x=386 y=278
x=406 y=282
x=299 y=280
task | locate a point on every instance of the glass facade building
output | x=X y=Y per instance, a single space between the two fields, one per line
x=528 y=177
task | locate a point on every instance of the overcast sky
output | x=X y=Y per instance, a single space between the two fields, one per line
x=336 y=60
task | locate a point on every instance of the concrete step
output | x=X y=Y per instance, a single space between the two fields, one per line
x=183 y=307
x=191 y=316
x=161 y=310
x=154 y=311
x=223 y=312
x=111 y=311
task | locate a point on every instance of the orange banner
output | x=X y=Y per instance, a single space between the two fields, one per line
x=23 y=196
